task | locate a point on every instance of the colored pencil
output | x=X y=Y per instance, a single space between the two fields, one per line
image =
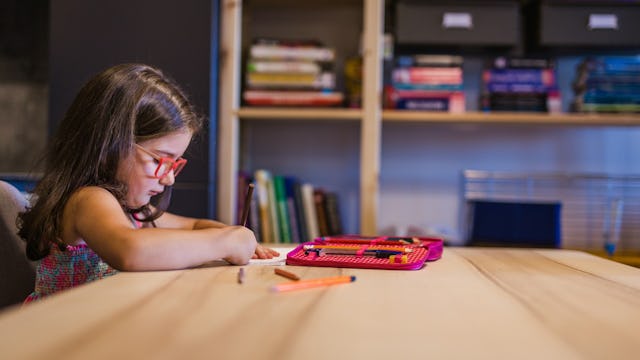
x=312 y=283
x=287 y=274
x=247 y=205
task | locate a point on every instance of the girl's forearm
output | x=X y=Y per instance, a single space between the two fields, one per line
x=206 y=223
x=165 y=249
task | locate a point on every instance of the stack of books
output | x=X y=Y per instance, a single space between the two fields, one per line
x=426 y=83
x=290 y=73
x=520 y=84
x=286 y=210
x=608 y=84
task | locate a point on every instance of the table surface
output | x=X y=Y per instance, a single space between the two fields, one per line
x=473 y=303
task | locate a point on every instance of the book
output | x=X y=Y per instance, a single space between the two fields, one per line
x=427 y=75
x=300 y=67
x=530 y=76
x=502 y=62
x=444 y=104
x=311 y=217
x=282 y=209
x=518 y=87
x=515 y=102
x=301 y=52
x=332 y=208
x=292 y=208
x=325 y=80
x=262 y=178
x=300 y=212
x=254 y=217
x=292 y=98
x=321 y=214
x=451 y=101
x=273 y=209
x=435 y=87
x=428 y=60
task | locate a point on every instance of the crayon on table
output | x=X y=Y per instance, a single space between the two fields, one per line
x=287 y=274
x=241 y=276
x=312 y=283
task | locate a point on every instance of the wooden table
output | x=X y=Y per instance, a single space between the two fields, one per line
x=474 y=303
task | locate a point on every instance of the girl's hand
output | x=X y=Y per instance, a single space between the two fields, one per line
x=264 y=253
x=241 y=244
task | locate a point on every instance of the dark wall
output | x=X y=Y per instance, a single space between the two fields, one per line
x=175 y=36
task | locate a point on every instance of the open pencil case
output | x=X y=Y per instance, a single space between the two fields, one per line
x=367 y=252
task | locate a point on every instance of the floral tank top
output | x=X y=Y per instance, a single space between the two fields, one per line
x=62 y=270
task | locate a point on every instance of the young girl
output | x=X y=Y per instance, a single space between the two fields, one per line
x=109 y=171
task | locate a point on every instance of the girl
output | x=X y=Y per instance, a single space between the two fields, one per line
x=101 y=203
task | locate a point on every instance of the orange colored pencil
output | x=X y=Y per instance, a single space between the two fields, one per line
x=312 y=283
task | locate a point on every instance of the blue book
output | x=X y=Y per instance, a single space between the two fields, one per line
x=425 y=104
x=440 y=87
x=517 y=87
x=292 y=208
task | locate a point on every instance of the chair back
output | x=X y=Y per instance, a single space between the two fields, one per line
x=17 y=273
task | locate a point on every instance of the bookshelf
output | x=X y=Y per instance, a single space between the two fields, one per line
x=370 y=119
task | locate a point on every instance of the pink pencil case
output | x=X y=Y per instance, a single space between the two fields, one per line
x=417 y=250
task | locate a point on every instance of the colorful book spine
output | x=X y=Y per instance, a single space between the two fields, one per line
x=282 y=209
x=321 y=214
x=313 y=230
x=292 y=208
x=301 y=212
x=301 y=67
x=332 y=208
x=503 y=62
x=273 y=210
x=517 y=87
x=291 y=80
x=526 y=76
x=431 y=87
x=262 y=179
x=292 y=98
x=429 y=60
x=427 y=75
x=266 y=51
x=451 y=101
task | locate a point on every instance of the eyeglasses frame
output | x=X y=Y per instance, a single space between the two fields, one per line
x=176 y=165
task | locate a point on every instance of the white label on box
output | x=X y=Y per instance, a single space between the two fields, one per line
x=457 y=20
x=603 y=21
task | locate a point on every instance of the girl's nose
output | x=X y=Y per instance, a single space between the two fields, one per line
x=168 y=179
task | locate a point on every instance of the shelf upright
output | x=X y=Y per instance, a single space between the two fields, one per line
x=228 y=126
x=370 y=127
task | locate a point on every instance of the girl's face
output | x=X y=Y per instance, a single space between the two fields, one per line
x=137 y=171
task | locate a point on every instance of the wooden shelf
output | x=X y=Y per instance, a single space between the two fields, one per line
x=299 y=113
x=513 y=118
x=572 y=119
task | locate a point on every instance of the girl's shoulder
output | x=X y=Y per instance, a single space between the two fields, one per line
x=91 y=197
x=89 y=192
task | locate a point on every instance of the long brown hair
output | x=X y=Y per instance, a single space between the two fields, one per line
x=117 y=108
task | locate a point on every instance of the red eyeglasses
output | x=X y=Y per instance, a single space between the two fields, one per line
x=165 y=164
